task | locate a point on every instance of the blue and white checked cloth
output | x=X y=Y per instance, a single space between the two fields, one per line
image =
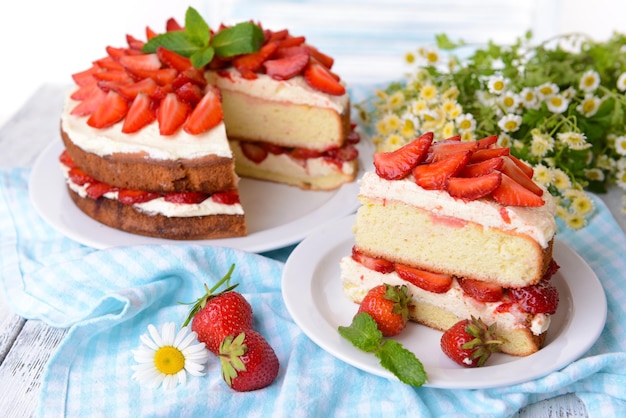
x=107 y=298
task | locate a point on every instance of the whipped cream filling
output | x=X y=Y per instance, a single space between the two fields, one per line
x=295 y=90
x=358 y=279
x=147 y=141
x=160 y=206
x=286 y=165
x=536 y=222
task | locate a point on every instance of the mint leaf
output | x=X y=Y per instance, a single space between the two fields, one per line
x=363 y=333
x=196 y=28
x=202 y=57
x=402 y=363
x=174 y=41
x=243 y=38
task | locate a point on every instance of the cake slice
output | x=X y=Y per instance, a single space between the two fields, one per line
x=463 y=225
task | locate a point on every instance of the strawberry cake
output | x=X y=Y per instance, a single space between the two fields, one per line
x=156 y=138
x=465 y=227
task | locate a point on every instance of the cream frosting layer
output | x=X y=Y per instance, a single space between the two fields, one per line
x=295 y=90
x=147 y=141
x=358 y=280
x=161 y=207
x=535 y=222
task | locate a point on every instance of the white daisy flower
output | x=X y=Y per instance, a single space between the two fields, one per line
x=497 y=84
x=166 y=358
x=589 y=106
x=620 y=145
x=574 y=140
x=547 y=90
x=589 y=81
x=557 y=103
x=509 y=102
x=510 y=122
x=594 y=174
x=466 y=122
x=621 y=82
x=529 y=98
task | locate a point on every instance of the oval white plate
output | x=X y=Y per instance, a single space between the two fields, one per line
x=277 y=215
x=313 y=295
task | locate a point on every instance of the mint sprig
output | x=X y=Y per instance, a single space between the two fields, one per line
x=195 y=41
x=364 y=334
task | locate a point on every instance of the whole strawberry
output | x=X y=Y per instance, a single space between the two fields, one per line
x=389 y=306
x=215 y=316
x=470 y=342
x=248 y=361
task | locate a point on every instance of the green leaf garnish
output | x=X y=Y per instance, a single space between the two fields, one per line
x=195 y=41
x=364 y=334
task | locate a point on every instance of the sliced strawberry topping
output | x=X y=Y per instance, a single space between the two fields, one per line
x=134 y=43
x=434 y=176
x=79 y=177
x=190 y=93
x=251 y=63
x=291 y=41
x=207 y=114
x=320 y=78
x=66 y=160
x=287 y=67
x=540 y=298
x=472 y=188
x=119 y=76
x=528 y=170
x=171 y=114
x=97 y=189
x=373 y=263
x=163 y=76
x=85 y=91
x=111 y=110
x=173 y=59
x=109 y=63
x=142 y=112
x=90 y=104
x=130 y=91
x=172 y=25
x=487 y=141
x=511 y=193
x=443 y=149
x=131 y=197
x=395 y=165
x=143 y=62
x=306 y=153
x=253 y=152
x=481 y=168
x=516 y=173
x=85 y=77
x=230 y=197
x=481 y=291
x=186 y=197
x=326 y=60
x=432 y=282
x=486 y=154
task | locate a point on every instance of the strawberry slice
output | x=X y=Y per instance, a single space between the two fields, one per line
x=78 y=176
x=481 y=291
x=373 y=263
x=251 y=63
x=527 y=169
x=85 y=91
x=186 y=197
x=111 y=110
x=488 y=153
x=472 y=188
x=443 y=149
x=432 y=282
x=97 y=189
x=142 y=112
x=90 y=104
x=143 y=62
x=291 y=41
x=172 y=59
x=326 y=60
x=116 y=53
x=190 y=93
x=481 y=168
x=171 y=114
x=306 y=153
x=130 y=91
x=487 y=141
x=516 y=173
x=395 y=165
x=119 y=76
x=134 y=43
x=66 y=160
x=511 y=193
x=85 y=77
x=434 y=176
x=163 y=76
x=108 y=63
x=150 y=33
x=287 y=67
x=253 y=152
x=131 y=197
x=540 y=298
x=320 y=78
x=207 y=114
x=172 y=25
x=230 y=197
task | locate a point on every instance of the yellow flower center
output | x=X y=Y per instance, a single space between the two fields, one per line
x=498 y=85
x=589 y=106
x=169 y=360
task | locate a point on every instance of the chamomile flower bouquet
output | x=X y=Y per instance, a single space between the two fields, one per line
x=559 y=105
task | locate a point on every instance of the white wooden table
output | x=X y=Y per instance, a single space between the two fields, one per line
x=26 y=345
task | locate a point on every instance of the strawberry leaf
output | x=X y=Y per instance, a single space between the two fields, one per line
x=363 y=333
x=196 y=29
x=243 y=38
x=176 y=41
x=402 y=363
x=202 y=57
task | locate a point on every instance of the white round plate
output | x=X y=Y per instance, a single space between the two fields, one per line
x=277 y=215
x=314 y=297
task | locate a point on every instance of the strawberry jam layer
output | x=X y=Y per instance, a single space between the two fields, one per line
x=183 y=204
x=527 y=307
